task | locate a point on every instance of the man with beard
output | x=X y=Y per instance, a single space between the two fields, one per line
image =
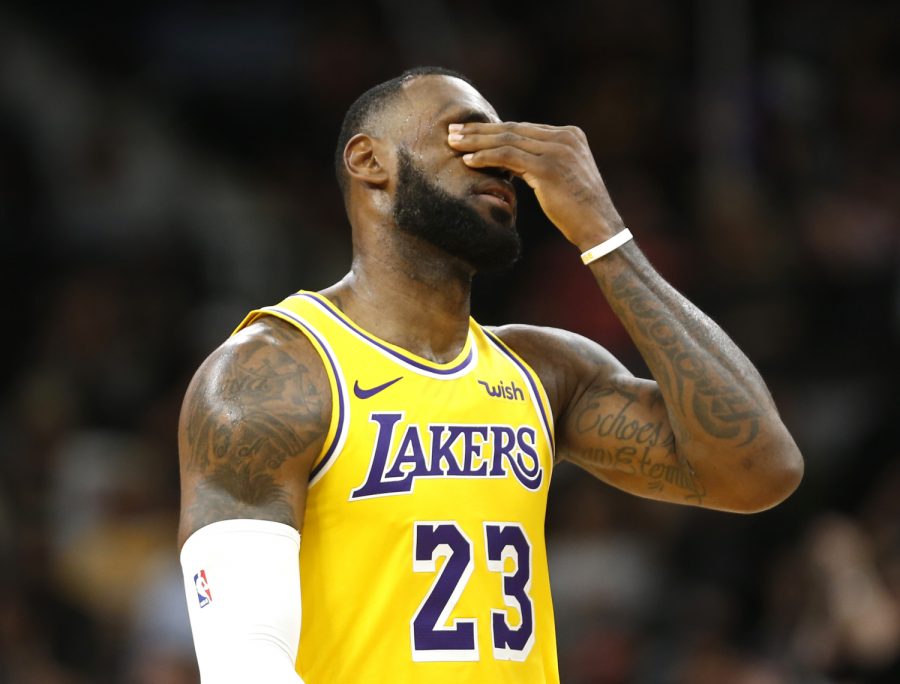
x=413 y=447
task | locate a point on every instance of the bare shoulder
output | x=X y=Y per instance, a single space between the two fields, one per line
x=565 y=362
x=253 y=420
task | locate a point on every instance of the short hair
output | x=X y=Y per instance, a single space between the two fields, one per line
x=362 y=112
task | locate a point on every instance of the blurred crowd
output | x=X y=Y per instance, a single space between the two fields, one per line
x=166 y=167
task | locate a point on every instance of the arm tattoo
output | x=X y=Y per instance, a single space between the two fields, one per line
x=239 y=493
x=257 y=411
x=703 y=431
x=634 y=445
x=702 y=385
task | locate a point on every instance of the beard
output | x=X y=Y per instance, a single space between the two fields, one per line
x=449 y=223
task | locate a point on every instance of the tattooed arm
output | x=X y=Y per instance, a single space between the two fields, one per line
x=705 y=430
x=727 y=447
x=253 y=420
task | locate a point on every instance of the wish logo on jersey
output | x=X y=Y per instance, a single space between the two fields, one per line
x=451 y=451
x=502 y=391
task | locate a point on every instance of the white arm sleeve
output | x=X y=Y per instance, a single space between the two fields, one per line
x=242 y=581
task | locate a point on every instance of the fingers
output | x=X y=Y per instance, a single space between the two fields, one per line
x=520 y=147
x=513 y=159
x=473 y=142
x=522 y=129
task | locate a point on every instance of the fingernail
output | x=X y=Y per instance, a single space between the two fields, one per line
x=455 y=137
x=468 y=157
x=455 y=128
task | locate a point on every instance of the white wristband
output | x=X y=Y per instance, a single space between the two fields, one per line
x=606 y=246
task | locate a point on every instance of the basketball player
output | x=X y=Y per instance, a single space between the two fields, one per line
x=374 y=450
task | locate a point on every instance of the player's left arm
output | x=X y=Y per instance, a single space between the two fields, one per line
x=705 y=430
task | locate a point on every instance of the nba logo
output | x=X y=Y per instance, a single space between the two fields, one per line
x=204 y=595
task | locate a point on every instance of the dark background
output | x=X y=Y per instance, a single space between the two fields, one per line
x=166 y=167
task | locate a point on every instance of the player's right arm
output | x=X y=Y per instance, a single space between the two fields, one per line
x=254 y=419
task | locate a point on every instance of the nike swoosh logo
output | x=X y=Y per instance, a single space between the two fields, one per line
x=368 y=393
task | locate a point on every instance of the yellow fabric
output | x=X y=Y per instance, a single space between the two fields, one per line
x=467 y=498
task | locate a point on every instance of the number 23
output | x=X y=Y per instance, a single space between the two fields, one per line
x=432 y=638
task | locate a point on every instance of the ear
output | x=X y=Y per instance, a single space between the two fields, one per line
x=363 y=157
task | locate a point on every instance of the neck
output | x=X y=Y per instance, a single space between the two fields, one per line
x=410 y=294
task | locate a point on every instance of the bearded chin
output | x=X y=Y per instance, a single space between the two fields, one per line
x=450 y=224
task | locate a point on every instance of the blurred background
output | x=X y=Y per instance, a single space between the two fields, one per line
x=165 y=167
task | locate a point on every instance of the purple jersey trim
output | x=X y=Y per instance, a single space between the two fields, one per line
x=528 y=376
x=409 y=360
x=337 y=381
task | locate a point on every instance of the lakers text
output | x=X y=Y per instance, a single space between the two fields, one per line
x=448 y=451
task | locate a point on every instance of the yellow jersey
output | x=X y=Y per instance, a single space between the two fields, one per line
x=422 y=555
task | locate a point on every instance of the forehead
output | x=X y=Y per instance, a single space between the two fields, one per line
x=436 y=96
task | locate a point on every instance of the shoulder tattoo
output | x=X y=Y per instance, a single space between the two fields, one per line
x=253 y=419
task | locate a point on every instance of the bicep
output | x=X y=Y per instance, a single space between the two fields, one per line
x=253 y=420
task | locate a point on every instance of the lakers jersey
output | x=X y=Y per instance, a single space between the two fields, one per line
x=422 y=555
